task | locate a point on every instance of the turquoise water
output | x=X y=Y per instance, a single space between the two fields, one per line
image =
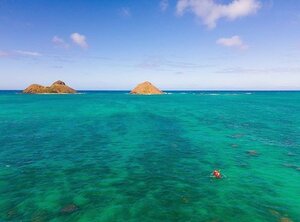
x=118 y=157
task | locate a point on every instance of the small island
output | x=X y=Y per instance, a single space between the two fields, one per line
x=146 y=88
x=58 y=87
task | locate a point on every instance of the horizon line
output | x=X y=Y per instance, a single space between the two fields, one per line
x=174 y=90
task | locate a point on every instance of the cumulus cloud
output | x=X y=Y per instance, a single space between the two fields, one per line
x=125 y=12
x=59 y=42
x=79 y=40
x=232 y=42
x=209 y=11
x=164 y=4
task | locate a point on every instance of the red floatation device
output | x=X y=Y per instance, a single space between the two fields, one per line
x=217 y=174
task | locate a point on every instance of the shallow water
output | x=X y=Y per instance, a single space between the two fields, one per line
x=110 y=156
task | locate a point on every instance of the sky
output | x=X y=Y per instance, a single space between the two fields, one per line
x=175 y=44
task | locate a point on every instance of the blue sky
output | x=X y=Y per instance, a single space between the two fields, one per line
x=176 y=44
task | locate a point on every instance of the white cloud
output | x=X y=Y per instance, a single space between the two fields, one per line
x=232 y=42
x=79 y=40
x=26 y=53
x=210 y=11
x=164 y=4
x=59 y=42
x=4 y=54
x=163 y=64
x=125 y=12
x=15 y=53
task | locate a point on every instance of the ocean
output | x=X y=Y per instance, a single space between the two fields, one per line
x=110 y=156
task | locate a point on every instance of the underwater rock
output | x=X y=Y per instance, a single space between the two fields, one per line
x=68 y=209
x=56 y=87
x=184 y=199
x=285 y=219
x=252 y=153
x=279 y=216
x=274 y=212
x=146 y=88
x=11 y=214
x=40 y=216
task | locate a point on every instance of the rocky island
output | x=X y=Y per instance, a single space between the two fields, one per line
x=58 y=87
x=146 y=88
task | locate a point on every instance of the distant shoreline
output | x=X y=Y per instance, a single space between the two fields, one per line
x=108 y=90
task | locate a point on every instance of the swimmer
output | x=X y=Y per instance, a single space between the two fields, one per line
x=217 y=174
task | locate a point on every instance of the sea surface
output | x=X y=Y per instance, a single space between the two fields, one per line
x=111 y=156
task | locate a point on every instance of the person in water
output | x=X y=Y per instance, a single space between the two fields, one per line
x=217 y=174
